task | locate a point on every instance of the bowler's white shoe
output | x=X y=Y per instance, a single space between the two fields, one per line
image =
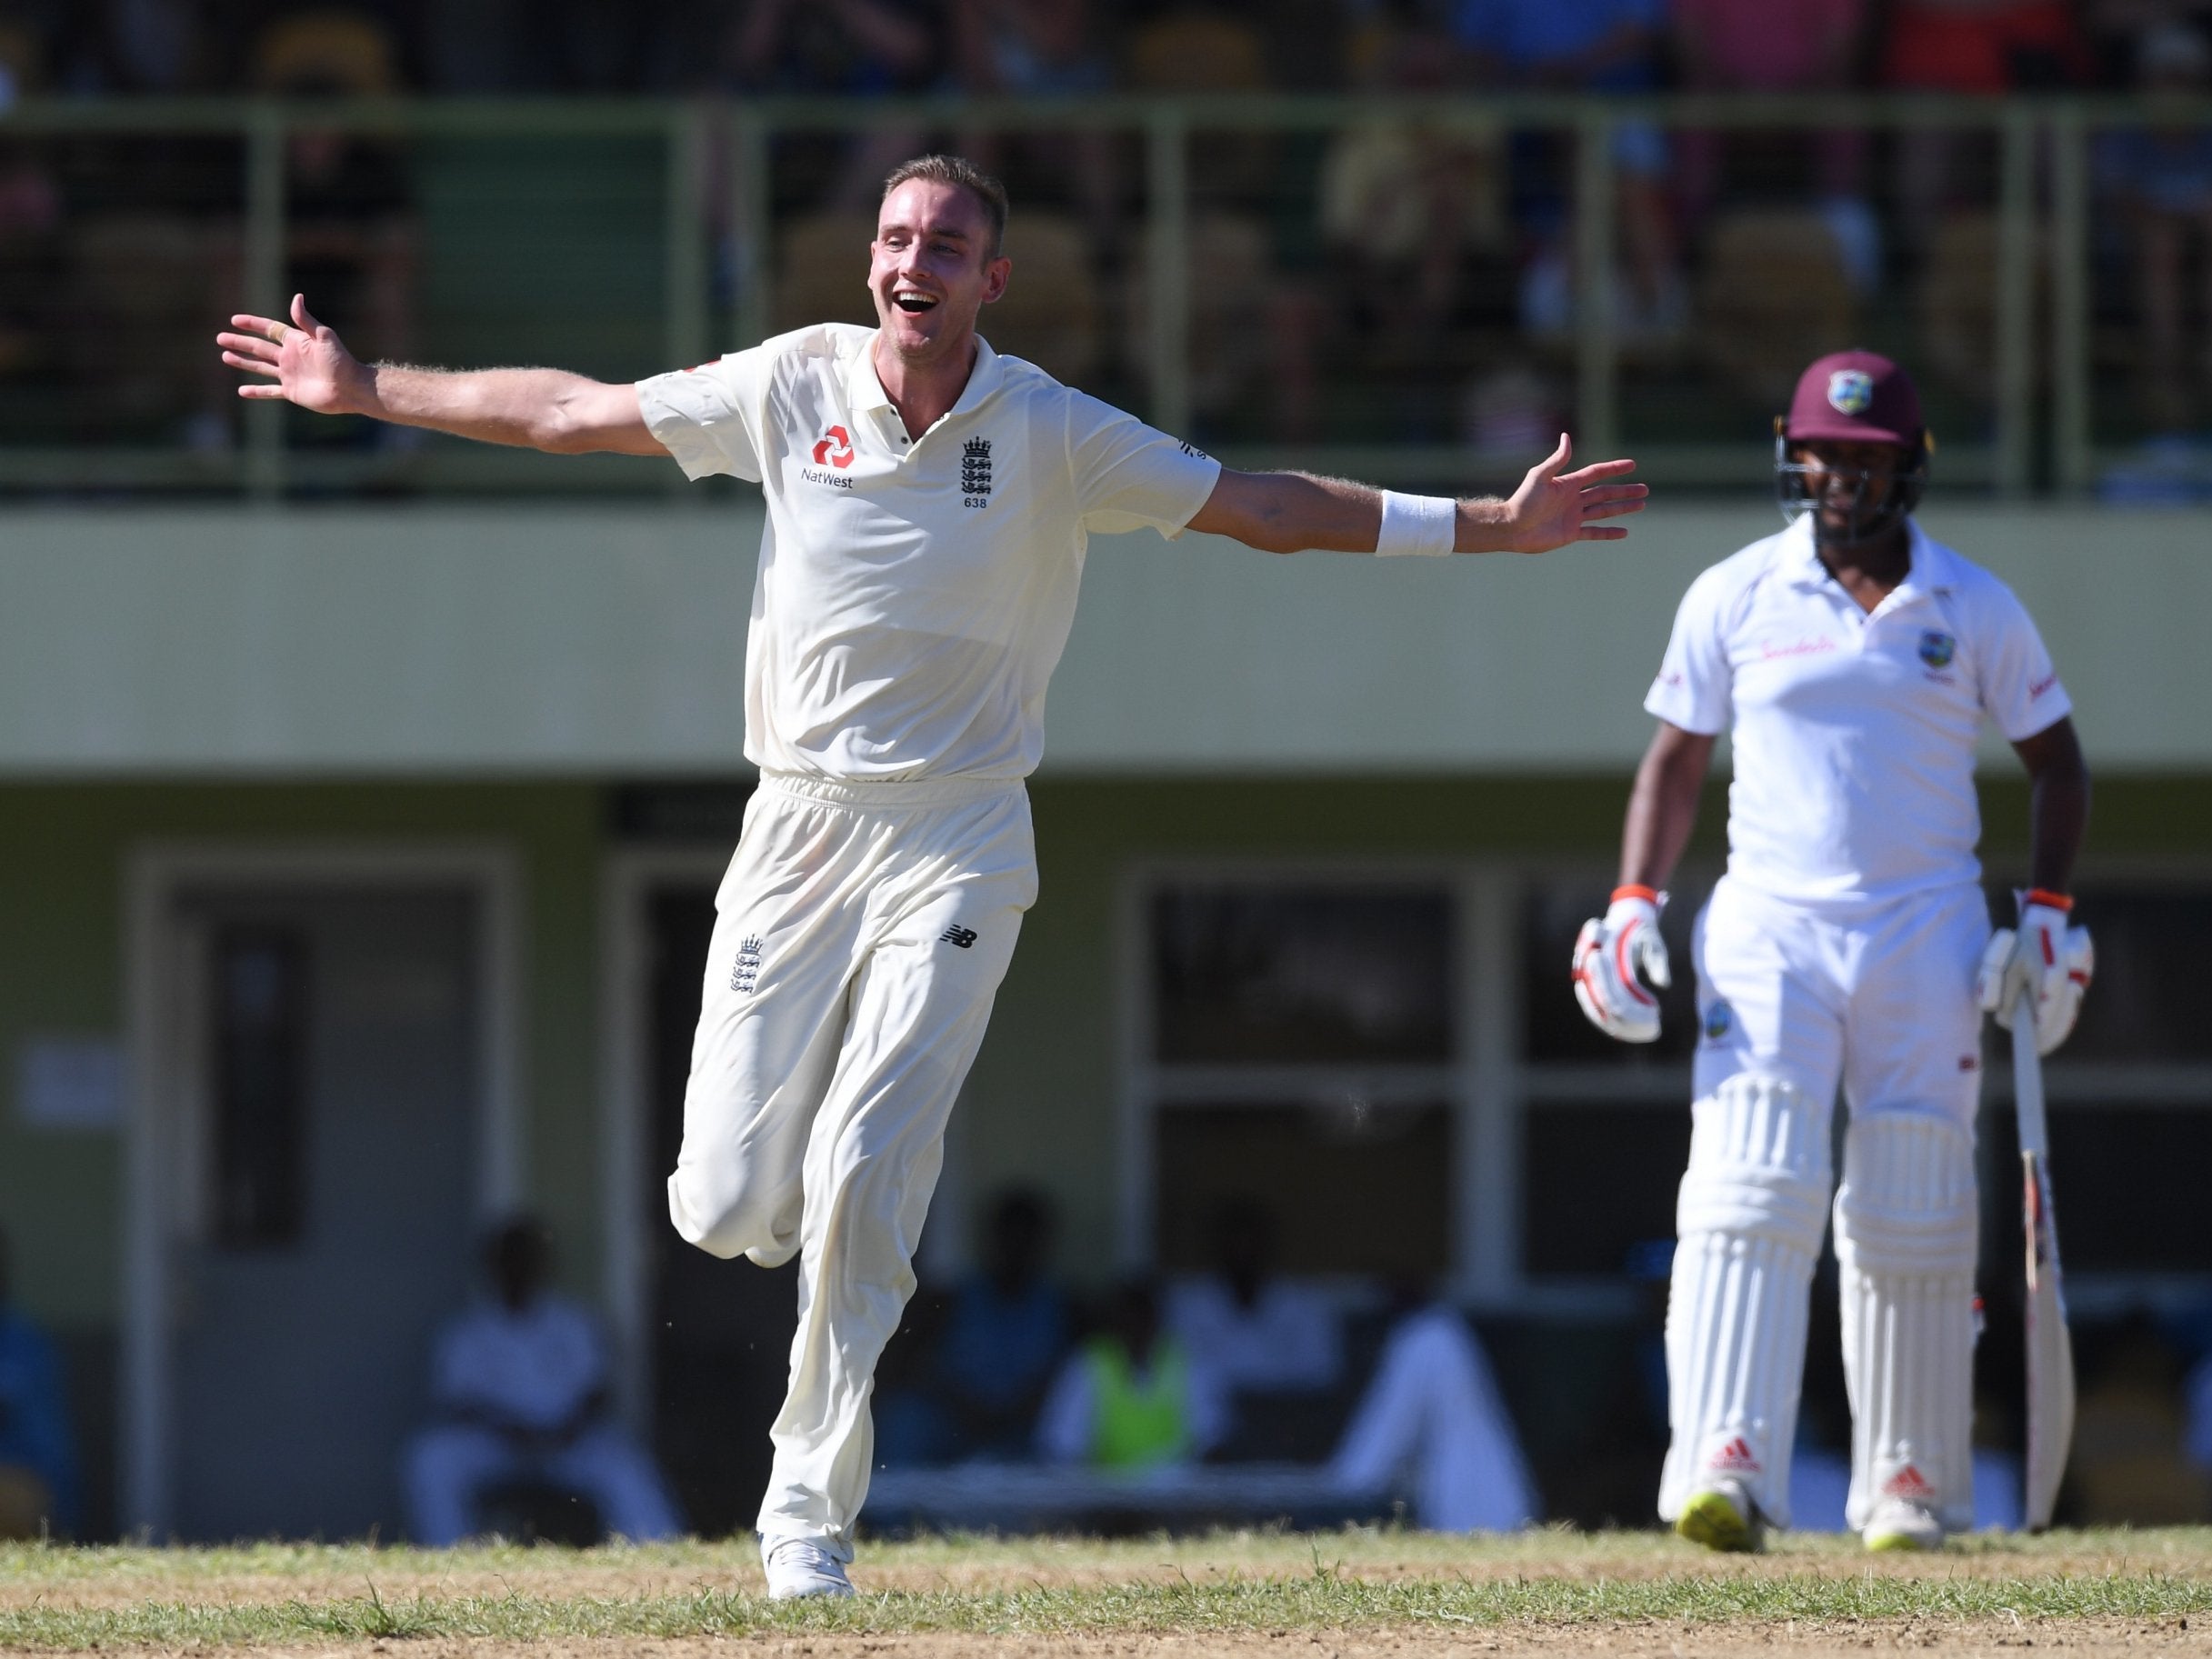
x=1896 y=1525
x=800 y=1566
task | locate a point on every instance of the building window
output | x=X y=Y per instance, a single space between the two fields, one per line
x=1298 y=1049
x=1397 y=1066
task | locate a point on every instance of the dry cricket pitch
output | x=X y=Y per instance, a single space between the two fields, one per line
x=1287 y=1595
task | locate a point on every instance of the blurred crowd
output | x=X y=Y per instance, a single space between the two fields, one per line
x=1060 y=47
x=1413 y=281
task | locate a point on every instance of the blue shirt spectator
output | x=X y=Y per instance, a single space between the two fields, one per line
x=1592 y=46
x=34 y=1435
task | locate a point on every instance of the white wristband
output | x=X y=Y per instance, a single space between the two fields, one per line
x=1423 y=525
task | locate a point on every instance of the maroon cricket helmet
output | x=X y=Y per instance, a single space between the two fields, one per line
x=1855 y=398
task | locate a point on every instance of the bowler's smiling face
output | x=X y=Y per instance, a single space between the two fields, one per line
x=933 y=268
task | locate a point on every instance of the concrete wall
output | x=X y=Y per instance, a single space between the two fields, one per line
x=608 y=641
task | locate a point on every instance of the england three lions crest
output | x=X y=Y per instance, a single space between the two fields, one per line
x=975 y=468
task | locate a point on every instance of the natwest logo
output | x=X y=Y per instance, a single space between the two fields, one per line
x=833 y=448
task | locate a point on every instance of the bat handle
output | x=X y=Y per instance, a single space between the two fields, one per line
x=2027 y=1080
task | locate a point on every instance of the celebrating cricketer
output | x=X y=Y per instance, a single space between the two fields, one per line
x=928 y=506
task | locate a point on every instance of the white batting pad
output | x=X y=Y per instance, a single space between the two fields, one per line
x=1906 y=1224
x=1752 y=1208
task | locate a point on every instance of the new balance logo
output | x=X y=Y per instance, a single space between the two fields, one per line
x=746 y=974
x=957 y=934
x=1735 y=1457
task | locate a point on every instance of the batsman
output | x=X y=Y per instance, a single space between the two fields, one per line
x=1852 y=660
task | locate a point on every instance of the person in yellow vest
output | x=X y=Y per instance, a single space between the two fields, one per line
x=1130 y=1399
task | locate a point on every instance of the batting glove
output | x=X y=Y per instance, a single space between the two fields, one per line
x=1611 y=953
x=2052 y=961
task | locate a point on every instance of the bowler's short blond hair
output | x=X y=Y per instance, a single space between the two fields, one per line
x=964 y=174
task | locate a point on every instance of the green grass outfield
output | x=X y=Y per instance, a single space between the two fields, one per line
x=1250 y=1584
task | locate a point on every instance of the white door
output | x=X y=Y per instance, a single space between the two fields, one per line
x=327 y=1139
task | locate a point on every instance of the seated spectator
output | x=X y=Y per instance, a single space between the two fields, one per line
x=2160 y=179
x=1600 y=45
x=1977 y=47
x=38 y=1472
x=1246 y=1326
x=1042 y=49
x=1777 y=45
x=1132 y=1398
x=519 y=1386
x=1004 y=1334
x=859 y=48
x=1433 y=1411
x=1413 y=216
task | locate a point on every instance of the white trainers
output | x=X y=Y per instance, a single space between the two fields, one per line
x=1896 y=1525
x=1722 y=1517
x=800 y=1566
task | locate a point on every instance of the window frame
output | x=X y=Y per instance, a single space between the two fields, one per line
x=1492 y=1085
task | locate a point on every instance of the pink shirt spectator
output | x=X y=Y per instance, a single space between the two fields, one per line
x=1767 y=46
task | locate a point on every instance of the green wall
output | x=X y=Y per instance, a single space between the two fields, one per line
x=64 y=849
x=1040 y=1105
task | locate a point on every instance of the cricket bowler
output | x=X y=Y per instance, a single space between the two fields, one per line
x=1852 y=660
x=928 y=506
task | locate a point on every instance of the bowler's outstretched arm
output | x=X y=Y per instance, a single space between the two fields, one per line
x=1290 y=512
x=304 y=362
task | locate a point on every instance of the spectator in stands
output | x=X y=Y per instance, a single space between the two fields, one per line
x=1004 y=1334
x=1433 y=1411
x=1246 y=1326
x=1132 y=1398
x=519 y=1387
x=1042 y=49
x=159 y=48
x=1413 y=218
x=38 y=1472
x=858 y=48
x=350 y=231
x=1777 y=45
x=1600 y=46
x=1976 y=47
x=2160 y=179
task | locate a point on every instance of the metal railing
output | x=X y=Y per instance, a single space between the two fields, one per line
x=727 y=150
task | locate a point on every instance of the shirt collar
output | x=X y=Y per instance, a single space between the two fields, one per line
x=863 y=390
x=1929 y=568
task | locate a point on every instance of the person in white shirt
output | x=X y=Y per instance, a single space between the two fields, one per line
x=1433 y=1411
x=519 y=1384
x=1247 y=1323
x=1853 y=659
x=928 y=506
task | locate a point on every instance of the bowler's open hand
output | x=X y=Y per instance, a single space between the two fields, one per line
x=1553 y=508
x=303 y=361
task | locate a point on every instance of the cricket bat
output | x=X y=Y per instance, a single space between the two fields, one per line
x=2050 y=1350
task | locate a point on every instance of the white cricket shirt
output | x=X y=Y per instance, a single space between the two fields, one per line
x=1855 y=732
x=535 y=1367
x=914 y=597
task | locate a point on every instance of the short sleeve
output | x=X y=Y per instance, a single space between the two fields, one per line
x=709 y=417
x=2020 y=690
x=1130 y=476
x=1692 y=689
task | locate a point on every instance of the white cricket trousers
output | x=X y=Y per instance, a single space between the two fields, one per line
x=861 y=934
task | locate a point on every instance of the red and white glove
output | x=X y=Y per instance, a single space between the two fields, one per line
x=2052 y=961
x=1610 y=953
